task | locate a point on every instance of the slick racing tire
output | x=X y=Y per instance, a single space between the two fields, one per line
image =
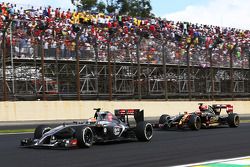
x=85 y=137
x=233 y=120
x=40 y=130
x=164 y=118
x=194 y=122
x=144 y=131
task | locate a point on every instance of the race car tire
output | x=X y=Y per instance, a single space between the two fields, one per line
x=233 y=120
x=40 y=130
x=144 y=131
x=85 y=137
x=164 y=118
x=194 y=122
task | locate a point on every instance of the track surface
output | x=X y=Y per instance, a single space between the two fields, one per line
x=167 y=148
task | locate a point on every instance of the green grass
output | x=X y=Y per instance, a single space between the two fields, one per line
x=32 y=130
x=244 y=121
x=17 y=131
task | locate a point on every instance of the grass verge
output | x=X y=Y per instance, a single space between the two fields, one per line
x=244 y=121
x=32 y=130
x=17 y=131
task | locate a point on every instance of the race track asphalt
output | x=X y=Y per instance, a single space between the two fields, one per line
x=167 y=148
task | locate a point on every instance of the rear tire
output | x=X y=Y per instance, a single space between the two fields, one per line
x=144 y=131
x=233 y=120
x=194 y=122
x=85 y=137
x=40 y=130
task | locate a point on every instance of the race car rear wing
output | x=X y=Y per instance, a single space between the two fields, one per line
x=228 y=107
x=137 y=113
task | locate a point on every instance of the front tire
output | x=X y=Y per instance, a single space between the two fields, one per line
x=85 y=137
x=194 y=122
x=233 y=120
x=40 y=130
x=144 y=131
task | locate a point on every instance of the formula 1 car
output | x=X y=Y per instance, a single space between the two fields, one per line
x=205 y=117
x=103 y=127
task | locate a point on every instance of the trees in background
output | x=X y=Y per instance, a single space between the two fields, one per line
x=135 y=8
x=86 y=5
x=101 y=7
x=140 y=8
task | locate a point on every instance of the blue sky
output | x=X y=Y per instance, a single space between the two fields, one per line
x=225 y=13
x=162 y=7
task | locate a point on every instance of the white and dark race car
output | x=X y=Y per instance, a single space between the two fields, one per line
x=206 y=116
x=103 y=127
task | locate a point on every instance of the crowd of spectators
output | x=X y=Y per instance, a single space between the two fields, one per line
x=57 y=31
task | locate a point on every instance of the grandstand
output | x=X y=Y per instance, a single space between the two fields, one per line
x=52 y=54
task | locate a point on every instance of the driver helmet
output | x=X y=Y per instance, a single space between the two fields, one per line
x=203 y=108
x=110 y=117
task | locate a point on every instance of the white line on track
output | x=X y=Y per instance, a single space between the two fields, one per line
x=5 y=134
x=210 y=162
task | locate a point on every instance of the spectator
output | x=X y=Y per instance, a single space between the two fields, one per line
x=73 y=50
x=63 y=49
x=53 y=48
x=48 y=23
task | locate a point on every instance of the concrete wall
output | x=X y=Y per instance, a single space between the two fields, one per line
x=61 y=110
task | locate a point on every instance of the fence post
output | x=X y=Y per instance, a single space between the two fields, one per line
x=96 y=66
x=212 y=72
x=138 y=67
x=110 y=78
x=78 y=89
x=36 y=51
x=189 y=78
x=5 y=96
x=42 y=64
x=231 y=76
x=57 y=75
x=164 y=71
x=5 y=93
x=12 y=63
x=231 y=71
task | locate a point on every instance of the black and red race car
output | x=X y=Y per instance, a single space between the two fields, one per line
x=205 y=117
x=103 y=127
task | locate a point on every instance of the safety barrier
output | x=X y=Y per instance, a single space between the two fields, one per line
x=63 y=110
